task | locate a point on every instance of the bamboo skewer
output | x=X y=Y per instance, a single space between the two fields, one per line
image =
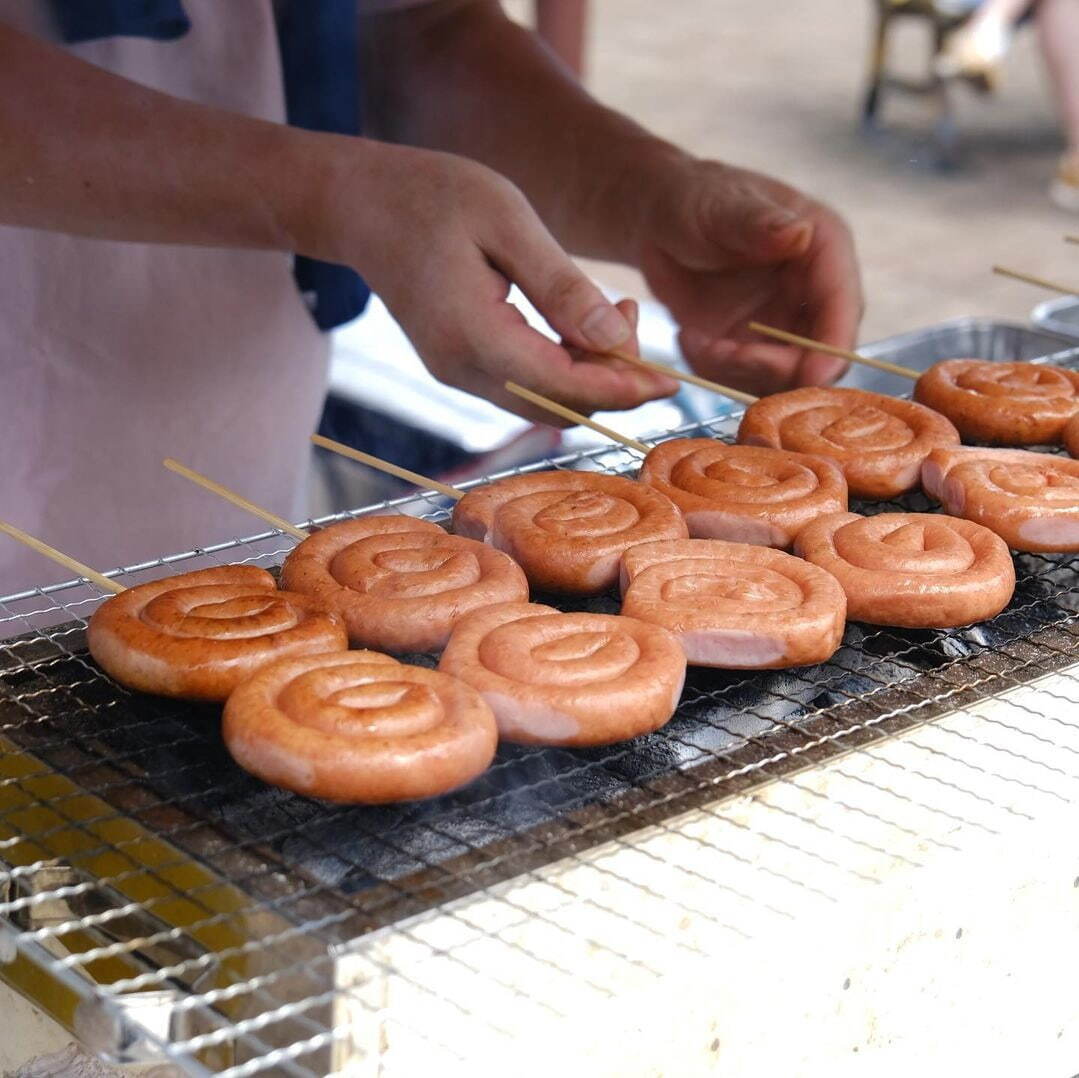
x=1038 y=282
x=238 y=500
x=387 y=467
x=55 y=555
x=843 y=353
x=684 y=376
x=1071 y=239
x=575 y=417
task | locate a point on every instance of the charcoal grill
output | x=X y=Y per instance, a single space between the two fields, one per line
x=807 y=864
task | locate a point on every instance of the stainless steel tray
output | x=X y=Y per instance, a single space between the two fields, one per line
x=1059 y=316
x=981 y=338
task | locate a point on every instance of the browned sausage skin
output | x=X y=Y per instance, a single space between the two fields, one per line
x=741 y=493
x=1001 y=403
x=1070 y=436
x=568 y=530
x=735 y=606
x=197 y=635
x=359 y=727
x=567 y=679
x=879 y=442
x=400 y=583
x=916 y=570
x=1031 y=500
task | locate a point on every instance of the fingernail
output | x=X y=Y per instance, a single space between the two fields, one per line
x=777 y=222
x=604 y=327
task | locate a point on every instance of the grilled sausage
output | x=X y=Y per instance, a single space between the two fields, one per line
x=567 y=530
x=744 y=494
x=1070 y=436
x=917 y=570
x=1031 y=500
x=1001 y=403
x=400 y=584
x=879 y=442
x=359 y=727
x=735 y=606
x=567 y=679
x=197 y=635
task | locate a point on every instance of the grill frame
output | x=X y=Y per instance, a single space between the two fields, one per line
x=334 y=928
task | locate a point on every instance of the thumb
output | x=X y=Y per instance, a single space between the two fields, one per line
x=574 y=306
x=747 y=220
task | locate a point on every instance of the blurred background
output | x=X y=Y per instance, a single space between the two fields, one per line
x=943 y=185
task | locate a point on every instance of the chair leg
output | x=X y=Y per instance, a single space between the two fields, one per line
x=878 y=55
x=945 y=128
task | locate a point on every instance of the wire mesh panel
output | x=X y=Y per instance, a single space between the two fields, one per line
x=192 y=910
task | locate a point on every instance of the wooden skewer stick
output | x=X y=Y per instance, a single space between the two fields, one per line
x=238 y=500
x=1071 y=239
x=575 y=417
x=387 y=467
x=684 y=376
x=1038 y=282
x=102 y=581
x=820 y=346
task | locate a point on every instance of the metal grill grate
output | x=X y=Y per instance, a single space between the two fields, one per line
x=142 y=861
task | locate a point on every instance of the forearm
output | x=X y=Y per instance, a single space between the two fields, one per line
x=457 y=75
x=89 y=153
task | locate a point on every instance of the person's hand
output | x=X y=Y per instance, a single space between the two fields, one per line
x=441 y=239
x=722 y=247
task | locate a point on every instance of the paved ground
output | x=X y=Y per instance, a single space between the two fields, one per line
x=776 y=87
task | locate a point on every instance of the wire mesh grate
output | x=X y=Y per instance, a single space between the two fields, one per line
x=179 y=872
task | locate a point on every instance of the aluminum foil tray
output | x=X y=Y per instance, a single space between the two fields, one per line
x=1060 y=316
x=962 y=338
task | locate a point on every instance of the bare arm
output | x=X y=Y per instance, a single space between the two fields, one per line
x=719 y=245
x=438 y=237
x=460 y=76
x=88 y=152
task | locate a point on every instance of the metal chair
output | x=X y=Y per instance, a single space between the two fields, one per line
x=941 y=24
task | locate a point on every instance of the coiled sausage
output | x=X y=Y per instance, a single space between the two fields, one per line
x=400 y=584
x=735 y=606
x=197 y=635
x=917 y=570
x=566 y=529
x=741 y=493
x=1031 y=500
x=879 y=442
x=358 y=727
x=567 y=679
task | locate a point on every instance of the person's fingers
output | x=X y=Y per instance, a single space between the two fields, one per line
x=742 y=217
x=484 y=342
x=838 y=309
x=519 y=245
x=751 y=367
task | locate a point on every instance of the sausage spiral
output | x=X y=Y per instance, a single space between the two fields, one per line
x=568 y=529
x=1070 y=436
x=917 y=570
x=400 y=583
x=1031 y=500
x=197 y=635
x=1002 y=403
x=741 y=493
x=359 y=727
x=879 y=442
x=567 y=679
x=735 y=606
